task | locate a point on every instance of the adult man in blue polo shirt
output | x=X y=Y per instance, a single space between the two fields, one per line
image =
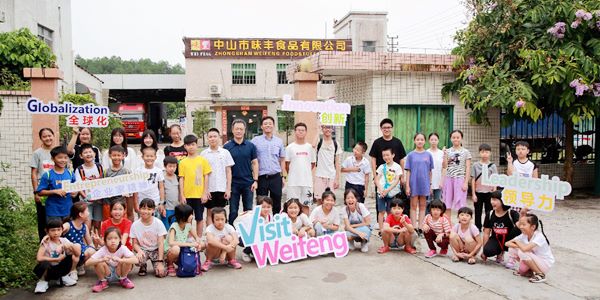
x=244 y=172
x=271 y=159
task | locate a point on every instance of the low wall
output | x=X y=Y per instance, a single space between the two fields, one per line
x=15 y=142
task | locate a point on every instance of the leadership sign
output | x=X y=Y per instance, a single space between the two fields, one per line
x=110 y=186
x=274 y=242
x=330 y=113
x=86 y=115
x=533 y=193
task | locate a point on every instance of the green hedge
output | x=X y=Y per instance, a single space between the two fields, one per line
x=18 y=240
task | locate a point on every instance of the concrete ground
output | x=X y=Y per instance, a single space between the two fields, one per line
x=570 y=229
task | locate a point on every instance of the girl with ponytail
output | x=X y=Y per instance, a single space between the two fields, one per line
x=531 y=249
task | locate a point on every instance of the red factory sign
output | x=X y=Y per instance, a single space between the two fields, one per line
x=260 y=48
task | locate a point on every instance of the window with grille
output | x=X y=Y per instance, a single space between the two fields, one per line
x=45 y=35
x=368 y=46
x=243 y=73
x=281 y=77
x=327 y=81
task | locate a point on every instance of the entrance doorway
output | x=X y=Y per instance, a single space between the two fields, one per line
x=249 y=114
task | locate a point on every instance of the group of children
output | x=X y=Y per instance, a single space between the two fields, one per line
x=182 y=188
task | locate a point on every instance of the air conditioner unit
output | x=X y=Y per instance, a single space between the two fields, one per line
x=215 y=89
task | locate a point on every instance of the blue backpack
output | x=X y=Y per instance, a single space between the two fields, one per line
x=189 y=263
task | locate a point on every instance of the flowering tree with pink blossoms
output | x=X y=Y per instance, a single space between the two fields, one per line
x=530 y=58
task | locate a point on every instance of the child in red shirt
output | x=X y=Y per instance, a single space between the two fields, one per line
x=117 y=219
x=397 y=228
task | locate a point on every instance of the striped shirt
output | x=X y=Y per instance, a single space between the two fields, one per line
x=442 y=225
x=457 y=162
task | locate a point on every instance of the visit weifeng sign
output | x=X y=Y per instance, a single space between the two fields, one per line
x=260 y=48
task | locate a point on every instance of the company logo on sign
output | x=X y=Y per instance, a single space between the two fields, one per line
x=200 y=45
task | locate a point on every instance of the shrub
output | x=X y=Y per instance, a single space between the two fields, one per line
x=18 y=240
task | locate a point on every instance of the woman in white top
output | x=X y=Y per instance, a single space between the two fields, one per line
x=357 y=221
x=41 y=162
x=532 y=249
x=118 y=137
x=326 y=218
x=436 y=173
x=149 y=140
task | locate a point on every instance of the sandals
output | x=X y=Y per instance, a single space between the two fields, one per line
x=383 y=249
x=171 y=271
x=143 y=271
x=471 y=261
x=537 y=277
x=455 y=258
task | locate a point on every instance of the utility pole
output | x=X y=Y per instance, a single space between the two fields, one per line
x=392 y=44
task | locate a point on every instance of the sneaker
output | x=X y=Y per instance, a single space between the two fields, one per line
x=81 y=270
x=364 y=248
x=68 y=281
x=376 y=226
x=351 y=246
x=41 y=287
x=509 y=265
x=126 y=283
x=431 y=254
x=206 y=266
x=234 y=264
x=246 y=258
x=73 y=274
x=100 y=286
x=409 y=249
x=171 y=271
x=443 y=252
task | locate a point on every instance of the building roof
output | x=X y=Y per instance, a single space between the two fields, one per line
x=85 y=70
x=143 y=81
x=332 y=64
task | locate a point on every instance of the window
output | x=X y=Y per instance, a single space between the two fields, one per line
x=243 y=73
x=45 y=35
x=409 y=119
x=354 y=131
x=327 y=81
x=281 y=77
x=369 y=46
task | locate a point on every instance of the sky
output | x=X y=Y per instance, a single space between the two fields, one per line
x=154 y=29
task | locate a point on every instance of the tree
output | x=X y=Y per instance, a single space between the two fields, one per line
x=116 y=65
x=202 y=123
x=175 y=109
x=530 y=58
x=285 y=120
x=101 y=135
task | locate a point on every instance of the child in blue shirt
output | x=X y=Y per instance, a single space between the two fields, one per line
x=58 y=203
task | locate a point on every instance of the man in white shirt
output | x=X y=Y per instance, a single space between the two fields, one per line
x=299 y=161
x=327 y=174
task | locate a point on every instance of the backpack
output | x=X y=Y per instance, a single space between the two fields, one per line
x=82 y=173
x=189 y=263
x=335 y=145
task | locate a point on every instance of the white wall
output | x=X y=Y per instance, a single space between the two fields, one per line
x=52 y=14
x=200 y=73
x=94 y=84
x=363 y=26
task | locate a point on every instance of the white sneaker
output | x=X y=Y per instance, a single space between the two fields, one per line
x=351 y=246
x=376 y=226
x=246 y=257
x=364 y=247
x=73 y=275
x=81 y=270
x=68 y=281
x=41 y=287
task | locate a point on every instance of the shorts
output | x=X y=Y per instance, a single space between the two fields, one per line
x=217 y=199
x=383 y=204
x=113 y=277
x=394 y=242
x=302 y=193
x=152 y=256
x=95 y=209
x=321 y=184
x=453 y=195
x=196 y=204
